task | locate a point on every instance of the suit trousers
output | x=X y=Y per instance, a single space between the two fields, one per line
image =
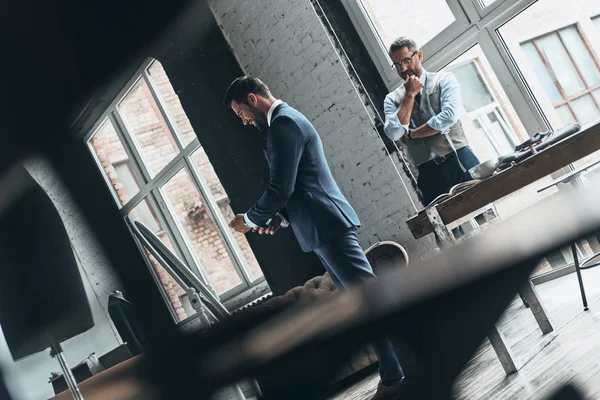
x=347 y=264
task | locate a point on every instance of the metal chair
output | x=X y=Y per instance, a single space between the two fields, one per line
x=593 y=261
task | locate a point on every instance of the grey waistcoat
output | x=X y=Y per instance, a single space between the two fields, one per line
x=425 y=149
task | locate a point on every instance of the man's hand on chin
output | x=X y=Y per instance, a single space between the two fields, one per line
x=238 y=224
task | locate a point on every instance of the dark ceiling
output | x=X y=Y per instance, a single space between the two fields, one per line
x=63 y=60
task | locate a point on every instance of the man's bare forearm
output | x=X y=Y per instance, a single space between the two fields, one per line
x=423 y=131
x=405 y=110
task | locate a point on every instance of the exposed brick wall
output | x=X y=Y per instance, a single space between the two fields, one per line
x=158 y=148
x=284 y=43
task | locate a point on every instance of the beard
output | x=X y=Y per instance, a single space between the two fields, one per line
x=413 y=70
x=259 y=120
x=409 y=72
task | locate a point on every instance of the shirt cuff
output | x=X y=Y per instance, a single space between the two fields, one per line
x=394 y=129
x=249 y=223
x=406 y=129
x=284 y=222
x=435 y=124
x=402 y=128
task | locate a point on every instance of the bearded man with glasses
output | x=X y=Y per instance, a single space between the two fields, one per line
x=423 y=113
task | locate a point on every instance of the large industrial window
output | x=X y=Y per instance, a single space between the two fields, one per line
x=159 y=173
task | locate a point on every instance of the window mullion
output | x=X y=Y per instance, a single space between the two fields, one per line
x=130 y=144
x=503 y=12
x=368 y=33
x=157 y=281
x=101 y=169
x=173 y=226
x=444 y=55
x=465 y=10
x=515 y=87
x=174 y=131
x=119 y=97
x=215 y=214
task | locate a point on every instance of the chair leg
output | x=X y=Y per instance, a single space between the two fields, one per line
x=579 y=277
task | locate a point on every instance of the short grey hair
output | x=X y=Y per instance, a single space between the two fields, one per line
x=402 y=42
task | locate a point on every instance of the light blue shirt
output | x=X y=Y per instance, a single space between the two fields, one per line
x=284 y=222
x=450 y=102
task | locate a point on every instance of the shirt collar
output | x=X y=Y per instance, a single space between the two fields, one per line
x=423 y=78
x=270 y=113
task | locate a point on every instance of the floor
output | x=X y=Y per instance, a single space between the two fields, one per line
x=570 y=354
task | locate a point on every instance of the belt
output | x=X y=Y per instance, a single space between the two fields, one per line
x=439 y=160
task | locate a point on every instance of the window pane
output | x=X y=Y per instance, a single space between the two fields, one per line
x=581 y=55
x=488 y=119
x=485 y=3
x=554 y=52
x=585 y=109
x=493 y=128
x=473 y=90
x=209 y=176
x=483 y=146
x=565 y=114
x=171 y=101
x=201 y=232
x=596 y=21
x=542 y=25
x=145 y=213
x=147 y=217
x=146 y=124
x=500 y=132
x=173 y=291
x=395 y=18
x=112 y=157
x=543 y=73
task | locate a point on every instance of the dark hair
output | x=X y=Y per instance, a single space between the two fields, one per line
x=401 y=42
x=241 y=87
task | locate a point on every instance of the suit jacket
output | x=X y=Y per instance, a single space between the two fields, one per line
x=301 y=182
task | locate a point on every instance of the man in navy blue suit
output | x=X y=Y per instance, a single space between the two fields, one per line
x=302 y=191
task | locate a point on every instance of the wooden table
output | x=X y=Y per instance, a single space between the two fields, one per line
x=434 y=219
x=510 y=180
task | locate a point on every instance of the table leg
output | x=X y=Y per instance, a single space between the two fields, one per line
x=503 y=352
x=445 y=239
x=443 y=236
x=523 y=299
x=529 y=295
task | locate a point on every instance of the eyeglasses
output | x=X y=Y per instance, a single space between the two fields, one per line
x=404 y=62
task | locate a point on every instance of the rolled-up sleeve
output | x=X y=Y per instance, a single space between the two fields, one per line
x=450 y=103
x=392 y=126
